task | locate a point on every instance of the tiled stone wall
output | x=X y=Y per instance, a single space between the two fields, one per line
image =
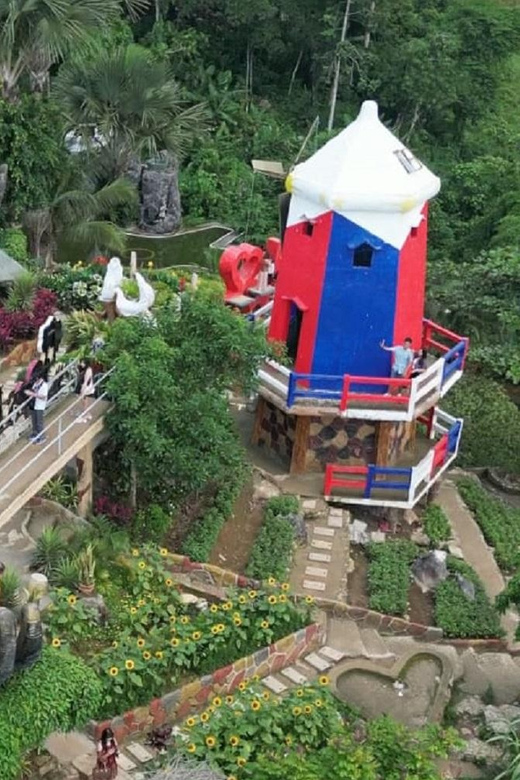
x=192 y=697
x=333 y=439
x=277 y=431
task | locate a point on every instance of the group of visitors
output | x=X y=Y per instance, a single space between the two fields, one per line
x=405 y=359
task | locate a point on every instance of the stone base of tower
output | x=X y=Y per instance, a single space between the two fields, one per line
x=307 y=443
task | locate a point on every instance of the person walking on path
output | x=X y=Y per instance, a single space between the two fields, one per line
x=40 y=394
x=403 y=356
x=87 y=389
x=107 y=753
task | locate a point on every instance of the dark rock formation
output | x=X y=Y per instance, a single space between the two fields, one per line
x=159 y=198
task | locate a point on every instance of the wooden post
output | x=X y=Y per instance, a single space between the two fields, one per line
x=384 y=430
x=301 y=445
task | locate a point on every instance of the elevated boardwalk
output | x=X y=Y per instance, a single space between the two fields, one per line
x=25 y=467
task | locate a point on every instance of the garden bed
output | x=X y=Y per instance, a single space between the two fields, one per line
x=236 y=538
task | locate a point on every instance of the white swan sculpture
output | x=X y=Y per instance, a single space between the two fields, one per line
x=112 y=289
x=113 y=279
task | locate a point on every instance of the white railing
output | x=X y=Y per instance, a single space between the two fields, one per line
x=17 y=421
x=263 y=314
x=276 y=380
x=57 y=439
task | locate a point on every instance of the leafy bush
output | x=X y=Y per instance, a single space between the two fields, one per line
x=499 y=523
x=10 y=585
x=120 y=513
x=62 y=491
x=456 y=614
x=272 y=550
x=436 y=525
x=59 y=693
x=24 y=324
x=202 y=537
x=14 y=242
x=389 y=575
x=50 y=550
x=76 y=288
x=21 y=294
x=150 y=524
x=491 y=434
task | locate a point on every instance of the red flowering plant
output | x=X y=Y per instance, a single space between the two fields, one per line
x=19 y=325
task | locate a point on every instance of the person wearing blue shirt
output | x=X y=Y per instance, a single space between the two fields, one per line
x=403 y=356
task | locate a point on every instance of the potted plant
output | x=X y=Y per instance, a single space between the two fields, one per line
x=86 y=570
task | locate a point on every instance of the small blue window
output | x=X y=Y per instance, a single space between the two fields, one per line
x=363 y=255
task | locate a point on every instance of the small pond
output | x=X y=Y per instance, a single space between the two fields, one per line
x=186 y=248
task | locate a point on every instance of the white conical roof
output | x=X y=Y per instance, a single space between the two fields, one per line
x=366 y=174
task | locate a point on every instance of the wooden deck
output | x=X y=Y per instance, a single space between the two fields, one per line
x=26 y=467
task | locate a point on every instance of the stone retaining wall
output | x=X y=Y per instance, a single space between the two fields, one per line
x=193 y=696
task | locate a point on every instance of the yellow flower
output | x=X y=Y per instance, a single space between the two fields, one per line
x=309 y=600
x=227 y=605
x=142 y=565
x=172 y=618
x=185 y=620
x=141 y=642
x=285 y=586
x=255 y=678
x=221 y=627
x=204 y=717
x=135 y=552
x=211 y=741
x=213 y=608
x=168 y=582
x=211 y=709
x=190 y=722
x=264 y=624
x=241 y=761
x=115 y=644
x=242 y=599
x=113 y=671
x=217 y=701
x=237 y=620
x=271 y=581
x=318 y=703
x=282 y=598
x=173 y=630
x=147 y=655
x=299 y=692
x=175 y=642
x=163 y=551
x=255 y=705
x=159 y=654
x=266 y=695
x=323 y=680
x=56 y=642
x=233 y=740
x=141 y=603
x=242 y=686
x=252 y=594
x=231 y=777
x=272 y=600
x=196 y=636
x=71 y=599
x=230 y=699
x=191 y=748
x=288 y=740
x=133 y=610
x=130 y=665
x=307 y=709
x=297 y=711
x=215 y=630
x=150 y=264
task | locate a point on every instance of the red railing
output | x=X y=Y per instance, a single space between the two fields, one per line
x=431 y=329
x=396 y=384
x=332 y=481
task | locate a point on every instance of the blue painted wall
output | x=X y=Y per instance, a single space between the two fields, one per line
x=357 y=306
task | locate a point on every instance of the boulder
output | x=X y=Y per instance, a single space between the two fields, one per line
x=497 y=719
x=419 y=538
x=471 y=706
x=430 y=570
x=480 y=752
x=159 y=197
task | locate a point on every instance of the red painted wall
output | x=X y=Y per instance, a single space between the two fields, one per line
x=300 y=279
x=411 y=286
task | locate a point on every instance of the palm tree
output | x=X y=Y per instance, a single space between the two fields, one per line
x=124 y=104
x=79 y=217
x=35 y=34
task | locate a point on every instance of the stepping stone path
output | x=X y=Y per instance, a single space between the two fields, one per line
x=321 y=567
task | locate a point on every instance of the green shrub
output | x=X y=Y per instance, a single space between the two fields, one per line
x=59 y=693
x=10 y=585
x=458 y=616
x=499 y=523
x=14 y=242
x=150 y=524
x=272 y=551
x=436 y=525
x=389 y=575
x=201 y=539
x=51 y=548
x=21 y=294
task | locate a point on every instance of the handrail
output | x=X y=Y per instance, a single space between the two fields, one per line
x=13 y=416
x=57 y=438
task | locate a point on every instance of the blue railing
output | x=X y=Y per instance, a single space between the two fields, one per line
x=454 y=360
x=313 y=386
x=373 y=472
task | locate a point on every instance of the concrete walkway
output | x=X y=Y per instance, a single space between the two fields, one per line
x=476 y=552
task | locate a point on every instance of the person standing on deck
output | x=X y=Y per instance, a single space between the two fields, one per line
x=40 y=394
x=403 y=356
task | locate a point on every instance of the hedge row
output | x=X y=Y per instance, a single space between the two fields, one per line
x=389 y=575
x=272 y=551
x=59 y=693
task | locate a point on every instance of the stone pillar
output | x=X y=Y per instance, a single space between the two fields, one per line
x=301 y=445
x=85 y=479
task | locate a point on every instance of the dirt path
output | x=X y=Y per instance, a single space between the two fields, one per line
x=234 y=543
